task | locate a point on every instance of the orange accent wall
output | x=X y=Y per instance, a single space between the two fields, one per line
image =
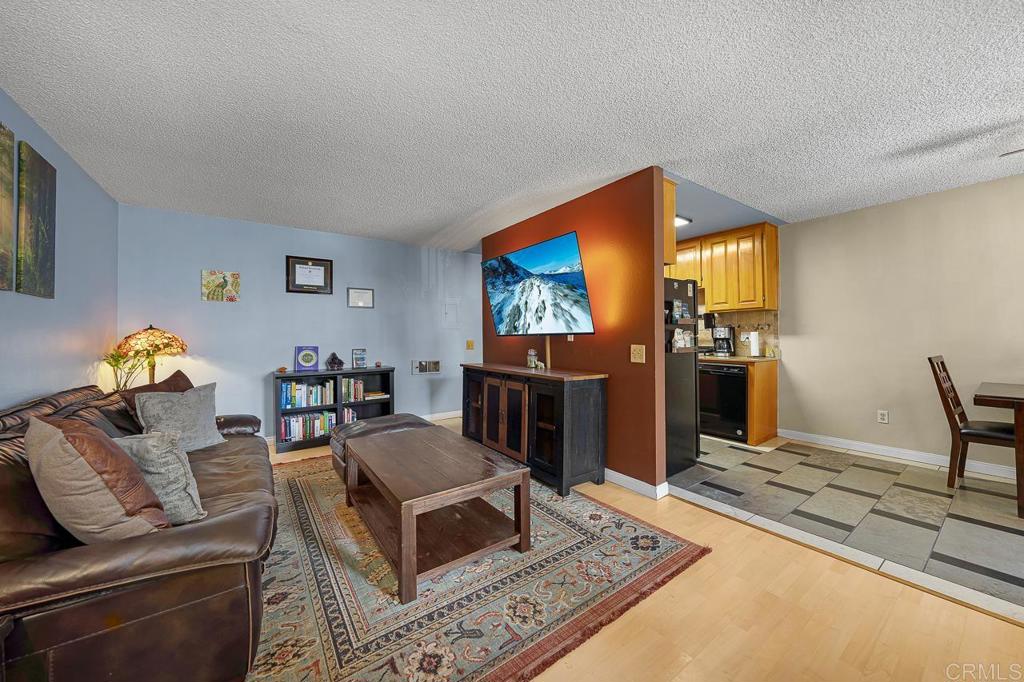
x=620 y=234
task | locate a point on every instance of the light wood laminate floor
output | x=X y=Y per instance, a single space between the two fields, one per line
x=762 y=608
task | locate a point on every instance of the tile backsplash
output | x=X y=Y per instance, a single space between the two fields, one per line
x=764 y=321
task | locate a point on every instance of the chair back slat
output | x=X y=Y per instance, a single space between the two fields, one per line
x=951 y=405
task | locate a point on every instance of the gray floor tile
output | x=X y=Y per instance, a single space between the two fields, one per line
x=838 y=505
x=879 y=464
x=925 y=479
x=914 y=505
x=693 y=475
x=818 y=528
x=776 y=460
x=741 y=478
x=771 y=502
x=988 y=547
x=802 y=449
x=988 y=508
x=726 y=458
x=715 y=493
x=830 y=459
x=710 y=444
x=865 y=480
x=982 y=583
x=805 y=478
x=897 y=541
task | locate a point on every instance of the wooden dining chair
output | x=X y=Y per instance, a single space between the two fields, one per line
x=964 y=431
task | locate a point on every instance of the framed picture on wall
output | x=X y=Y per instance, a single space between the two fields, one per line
x=309 y=275
x=360 y=298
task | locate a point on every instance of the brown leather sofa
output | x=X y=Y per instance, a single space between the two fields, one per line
x=179 y=604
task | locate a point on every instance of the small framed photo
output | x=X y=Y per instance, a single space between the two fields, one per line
x=309 y=275
x=360 y=298
x=359 y=357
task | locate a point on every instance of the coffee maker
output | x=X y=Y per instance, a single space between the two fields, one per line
x=724 y=339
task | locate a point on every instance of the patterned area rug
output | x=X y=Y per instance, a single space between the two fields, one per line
x=331 y=610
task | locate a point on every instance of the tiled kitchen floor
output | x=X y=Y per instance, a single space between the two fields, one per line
x=896 y=511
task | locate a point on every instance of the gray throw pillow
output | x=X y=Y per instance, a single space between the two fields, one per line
x=192 y=414
x=165 y=467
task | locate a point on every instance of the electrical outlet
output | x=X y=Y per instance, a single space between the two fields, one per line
x=638 y=353
x=883 y=416
x=470 y=344
x=569 y=338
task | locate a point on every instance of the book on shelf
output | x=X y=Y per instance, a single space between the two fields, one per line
x=296 y=395
x=351 y=390
x=348 y=415
x=375 y=395
x=306 y=426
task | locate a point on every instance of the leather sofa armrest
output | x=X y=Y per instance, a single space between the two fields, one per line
x=234 y=538
x=238 y=424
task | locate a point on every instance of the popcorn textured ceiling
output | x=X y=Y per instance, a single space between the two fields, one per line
x=440 y=122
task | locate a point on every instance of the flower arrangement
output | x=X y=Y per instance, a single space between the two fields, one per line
x=126 y=366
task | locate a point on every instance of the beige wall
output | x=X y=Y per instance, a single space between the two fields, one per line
x=944 y=270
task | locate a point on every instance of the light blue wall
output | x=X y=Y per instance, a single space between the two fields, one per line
x=47 y=345
x=238 y=345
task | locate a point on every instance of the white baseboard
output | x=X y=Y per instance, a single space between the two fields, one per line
x=655 y=492
x=974 y=465
x=442 y=415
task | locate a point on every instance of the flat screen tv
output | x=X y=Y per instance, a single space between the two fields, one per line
x=540 y=289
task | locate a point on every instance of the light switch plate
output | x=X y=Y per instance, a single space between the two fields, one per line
x=470 y=344
x=638 y=353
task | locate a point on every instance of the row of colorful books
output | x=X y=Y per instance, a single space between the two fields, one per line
x=306 y=426
x=348 y=415
x=351 y=390
x=295 y=394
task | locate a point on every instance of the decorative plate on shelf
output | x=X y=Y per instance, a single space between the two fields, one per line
x=307 y=358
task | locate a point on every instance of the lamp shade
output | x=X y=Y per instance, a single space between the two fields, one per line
x=152 y=341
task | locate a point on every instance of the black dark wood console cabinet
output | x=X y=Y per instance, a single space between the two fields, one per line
x=554 y=421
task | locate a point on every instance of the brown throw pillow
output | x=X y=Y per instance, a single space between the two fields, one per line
x=176 y=383
x=91 y=486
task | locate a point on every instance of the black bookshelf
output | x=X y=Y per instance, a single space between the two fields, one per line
x=374 y=379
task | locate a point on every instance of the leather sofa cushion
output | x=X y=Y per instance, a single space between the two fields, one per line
x=16 y=418
x=176 y=383
x=366 y=427
x=27 y=527
x=90 y=485
x=240 y=464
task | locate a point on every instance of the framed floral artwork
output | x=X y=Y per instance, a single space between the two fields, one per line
x=221 y=286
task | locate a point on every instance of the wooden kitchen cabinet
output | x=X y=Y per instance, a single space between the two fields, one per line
x=740 y=269
x=687 y=264
x=669 y=207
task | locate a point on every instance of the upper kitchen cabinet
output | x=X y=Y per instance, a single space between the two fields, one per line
x=669 y=203
x=687 y=265
x=740 y=268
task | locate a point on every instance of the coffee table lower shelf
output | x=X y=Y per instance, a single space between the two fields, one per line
x=445 y=537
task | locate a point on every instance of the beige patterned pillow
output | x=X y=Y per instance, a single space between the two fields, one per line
x=192 y=414
x=165 y=467
x=91 y=486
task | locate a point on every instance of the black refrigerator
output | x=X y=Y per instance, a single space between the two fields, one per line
x=682 y=406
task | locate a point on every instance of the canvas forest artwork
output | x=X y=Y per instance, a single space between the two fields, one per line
x=221 y=286
x=6 y=208
x=37 y=223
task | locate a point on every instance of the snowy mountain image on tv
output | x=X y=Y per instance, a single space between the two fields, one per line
x=539 y=290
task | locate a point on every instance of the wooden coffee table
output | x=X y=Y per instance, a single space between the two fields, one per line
x=419 y=492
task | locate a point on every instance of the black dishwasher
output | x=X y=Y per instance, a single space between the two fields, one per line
x=723 y=400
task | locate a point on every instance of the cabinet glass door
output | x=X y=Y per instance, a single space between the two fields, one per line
x=515 y=420
x=492 y=413
x=545 y=436
x=473 y=410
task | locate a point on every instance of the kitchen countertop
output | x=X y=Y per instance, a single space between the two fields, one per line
x=735 y=359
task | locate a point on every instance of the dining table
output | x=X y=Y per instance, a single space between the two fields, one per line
x=1010 y=397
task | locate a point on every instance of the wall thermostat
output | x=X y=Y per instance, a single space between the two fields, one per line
x=426 y=366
